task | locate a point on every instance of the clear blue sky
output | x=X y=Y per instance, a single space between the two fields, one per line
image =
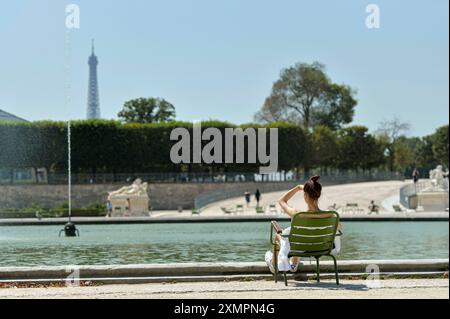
x=218 y=59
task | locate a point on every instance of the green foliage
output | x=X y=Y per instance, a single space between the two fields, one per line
x=440 y=145
x=403 y=154
x=100 y=146
x=147 y=110
x=305 y=95
x=425 y=155
x=25 y=145
x=422 y=153
x=336 y=107
x=358 y=149
x=293 y=145
x=324 y=147
x=388 y=135
x=110 y=146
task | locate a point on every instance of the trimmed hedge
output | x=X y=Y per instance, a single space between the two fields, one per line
x=110 y=146
x=102 y=146
x=106 y=146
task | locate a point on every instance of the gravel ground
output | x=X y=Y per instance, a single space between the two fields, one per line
x=396 y=288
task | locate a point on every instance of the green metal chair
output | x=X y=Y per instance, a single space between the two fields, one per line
x=260 y=210
x=225 y=210
x=312 y=235
x=273 y=209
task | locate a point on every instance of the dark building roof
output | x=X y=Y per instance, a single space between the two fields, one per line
x=5 y=116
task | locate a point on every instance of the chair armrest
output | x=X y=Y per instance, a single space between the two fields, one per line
x=276 y=227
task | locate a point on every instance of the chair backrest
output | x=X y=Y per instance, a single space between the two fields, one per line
x=313 y=233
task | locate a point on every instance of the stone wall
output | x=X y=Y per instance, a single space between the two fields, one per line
x=162 y=195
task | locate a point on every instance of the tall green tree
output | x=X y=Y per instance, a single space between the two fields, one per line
x=403 y=154
x=388 y=133
x=305 y=95
x=358 y=149
x=324 y=147
x=425 y=157
x=293 y=140
x=440 y=145
x=407 y=154
x=147 y=110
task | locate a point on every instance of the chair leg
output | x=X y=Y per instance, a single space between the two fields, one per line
x=285 y=278
x=335 y=269
x=318 y=269
x=275 y=261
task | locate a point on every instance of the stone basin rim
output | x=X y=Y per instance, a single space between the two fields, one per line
x=208 y=269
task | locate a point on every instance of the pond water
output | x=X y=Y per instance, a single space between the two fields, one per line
x=206 y=242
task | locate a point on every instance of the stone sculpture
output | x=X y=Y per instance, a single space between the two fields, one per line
x=130 y=200
x=433 y=195
x=438 y=179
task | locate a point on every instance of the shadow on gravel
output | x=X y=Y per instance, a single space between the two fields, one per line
x=328 y=285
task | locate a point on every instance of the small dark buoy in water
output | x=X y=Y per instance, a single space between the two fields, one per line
x=70 y=230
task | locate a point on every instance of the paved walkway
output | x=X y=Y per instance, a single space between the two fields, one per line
x=383 y=193
x=396 y=288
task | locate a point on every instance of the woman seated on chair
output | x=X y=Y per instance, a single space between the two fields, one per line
x=312 y=190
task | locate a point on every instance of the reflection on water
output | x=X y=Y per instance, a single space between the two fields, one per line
x=209 y=242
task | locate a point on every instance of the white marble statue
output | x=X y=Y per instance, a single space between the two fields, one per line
x=438 y=179
x=137 y=188
x=130 y=200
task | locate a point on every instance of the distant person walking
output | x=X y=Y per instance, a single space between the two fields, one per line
x=373 y=208
x=128 y=208
x=109 y=209
x=247 y=198
x=415 y=175
x=257 y=197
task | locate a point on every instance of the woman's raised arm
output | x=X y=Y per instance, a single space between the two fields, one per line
x=283 y=201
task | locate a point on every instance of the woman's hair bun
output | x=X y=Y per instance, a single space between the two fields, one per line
x=313 y=188
x=315 y=178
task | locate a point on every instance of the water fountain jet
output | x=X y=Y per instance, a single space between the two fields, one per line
x=70 y=230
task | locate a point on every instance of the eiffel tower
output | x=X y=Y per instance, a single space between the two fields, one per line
x=93 y=104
